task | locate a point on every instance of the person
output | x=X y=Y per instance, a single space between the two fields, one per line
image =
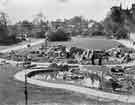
x=27 y=61
x=92 y=57
x=46 y=38
x=100 y=61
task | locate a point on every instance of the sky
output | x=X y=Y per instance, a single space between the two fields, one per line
x=53 y=9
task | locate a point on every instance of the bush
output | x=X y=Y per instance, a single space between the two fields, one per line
x=9 y=40
x=98 y=33
x=8 y=35
x=122 y=34
x=59 y=35
x=39 y=34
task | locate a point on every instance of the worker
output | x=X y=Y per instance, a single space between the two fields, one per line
x=92 y=55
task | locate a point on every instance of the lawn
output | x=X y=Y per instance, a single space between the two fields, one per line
x=89 y=43
x=12 y=93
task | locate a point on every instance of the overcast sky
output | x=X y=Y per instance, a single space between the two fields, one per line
x=52 y=9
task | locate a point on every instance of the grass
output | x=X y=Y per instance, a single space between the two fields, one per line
x=89 y=43
x=12 y=93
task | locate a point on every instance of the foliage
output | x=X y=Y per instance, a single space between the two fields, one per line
x=10 y=40
x=115 y=25
x=39 y=34
x=3 y=26
x=121 y=34
x=26 y=24
x=59 y=35
x=96 y=29
x=76 y=19
x=6 y=37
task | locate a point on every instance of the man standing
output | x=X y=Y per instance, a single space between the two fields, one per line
x=46 y=38
x=100 y=61
x=92 y=56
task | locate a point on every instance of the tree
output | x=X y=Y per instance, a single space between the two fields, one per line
x=3 y=26
x=77 y=19
x=7 y=32
x=116 y=15
x=115 y=25
x=97 y=29
x=3 y=18
x=27 y=25
x=110 y=26
x=24 y=27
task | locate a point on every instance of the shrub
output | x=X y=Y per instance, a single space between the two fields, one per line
x=39 y=34
x=59 y=35
x=98 y=33
x=9 y=40
x=122 y=34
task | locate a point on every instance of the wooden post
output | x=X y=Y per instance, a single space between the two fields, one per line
x=26 y=91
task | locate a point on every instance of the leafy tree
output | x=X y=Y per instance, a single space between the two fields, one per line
x=77 y=19
x=7 y=32
x=110 y=26
x=27 y=25
x=97 y=29
x=24 y=27
x=116 y=16
x=3 y=26
x=3 y=18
